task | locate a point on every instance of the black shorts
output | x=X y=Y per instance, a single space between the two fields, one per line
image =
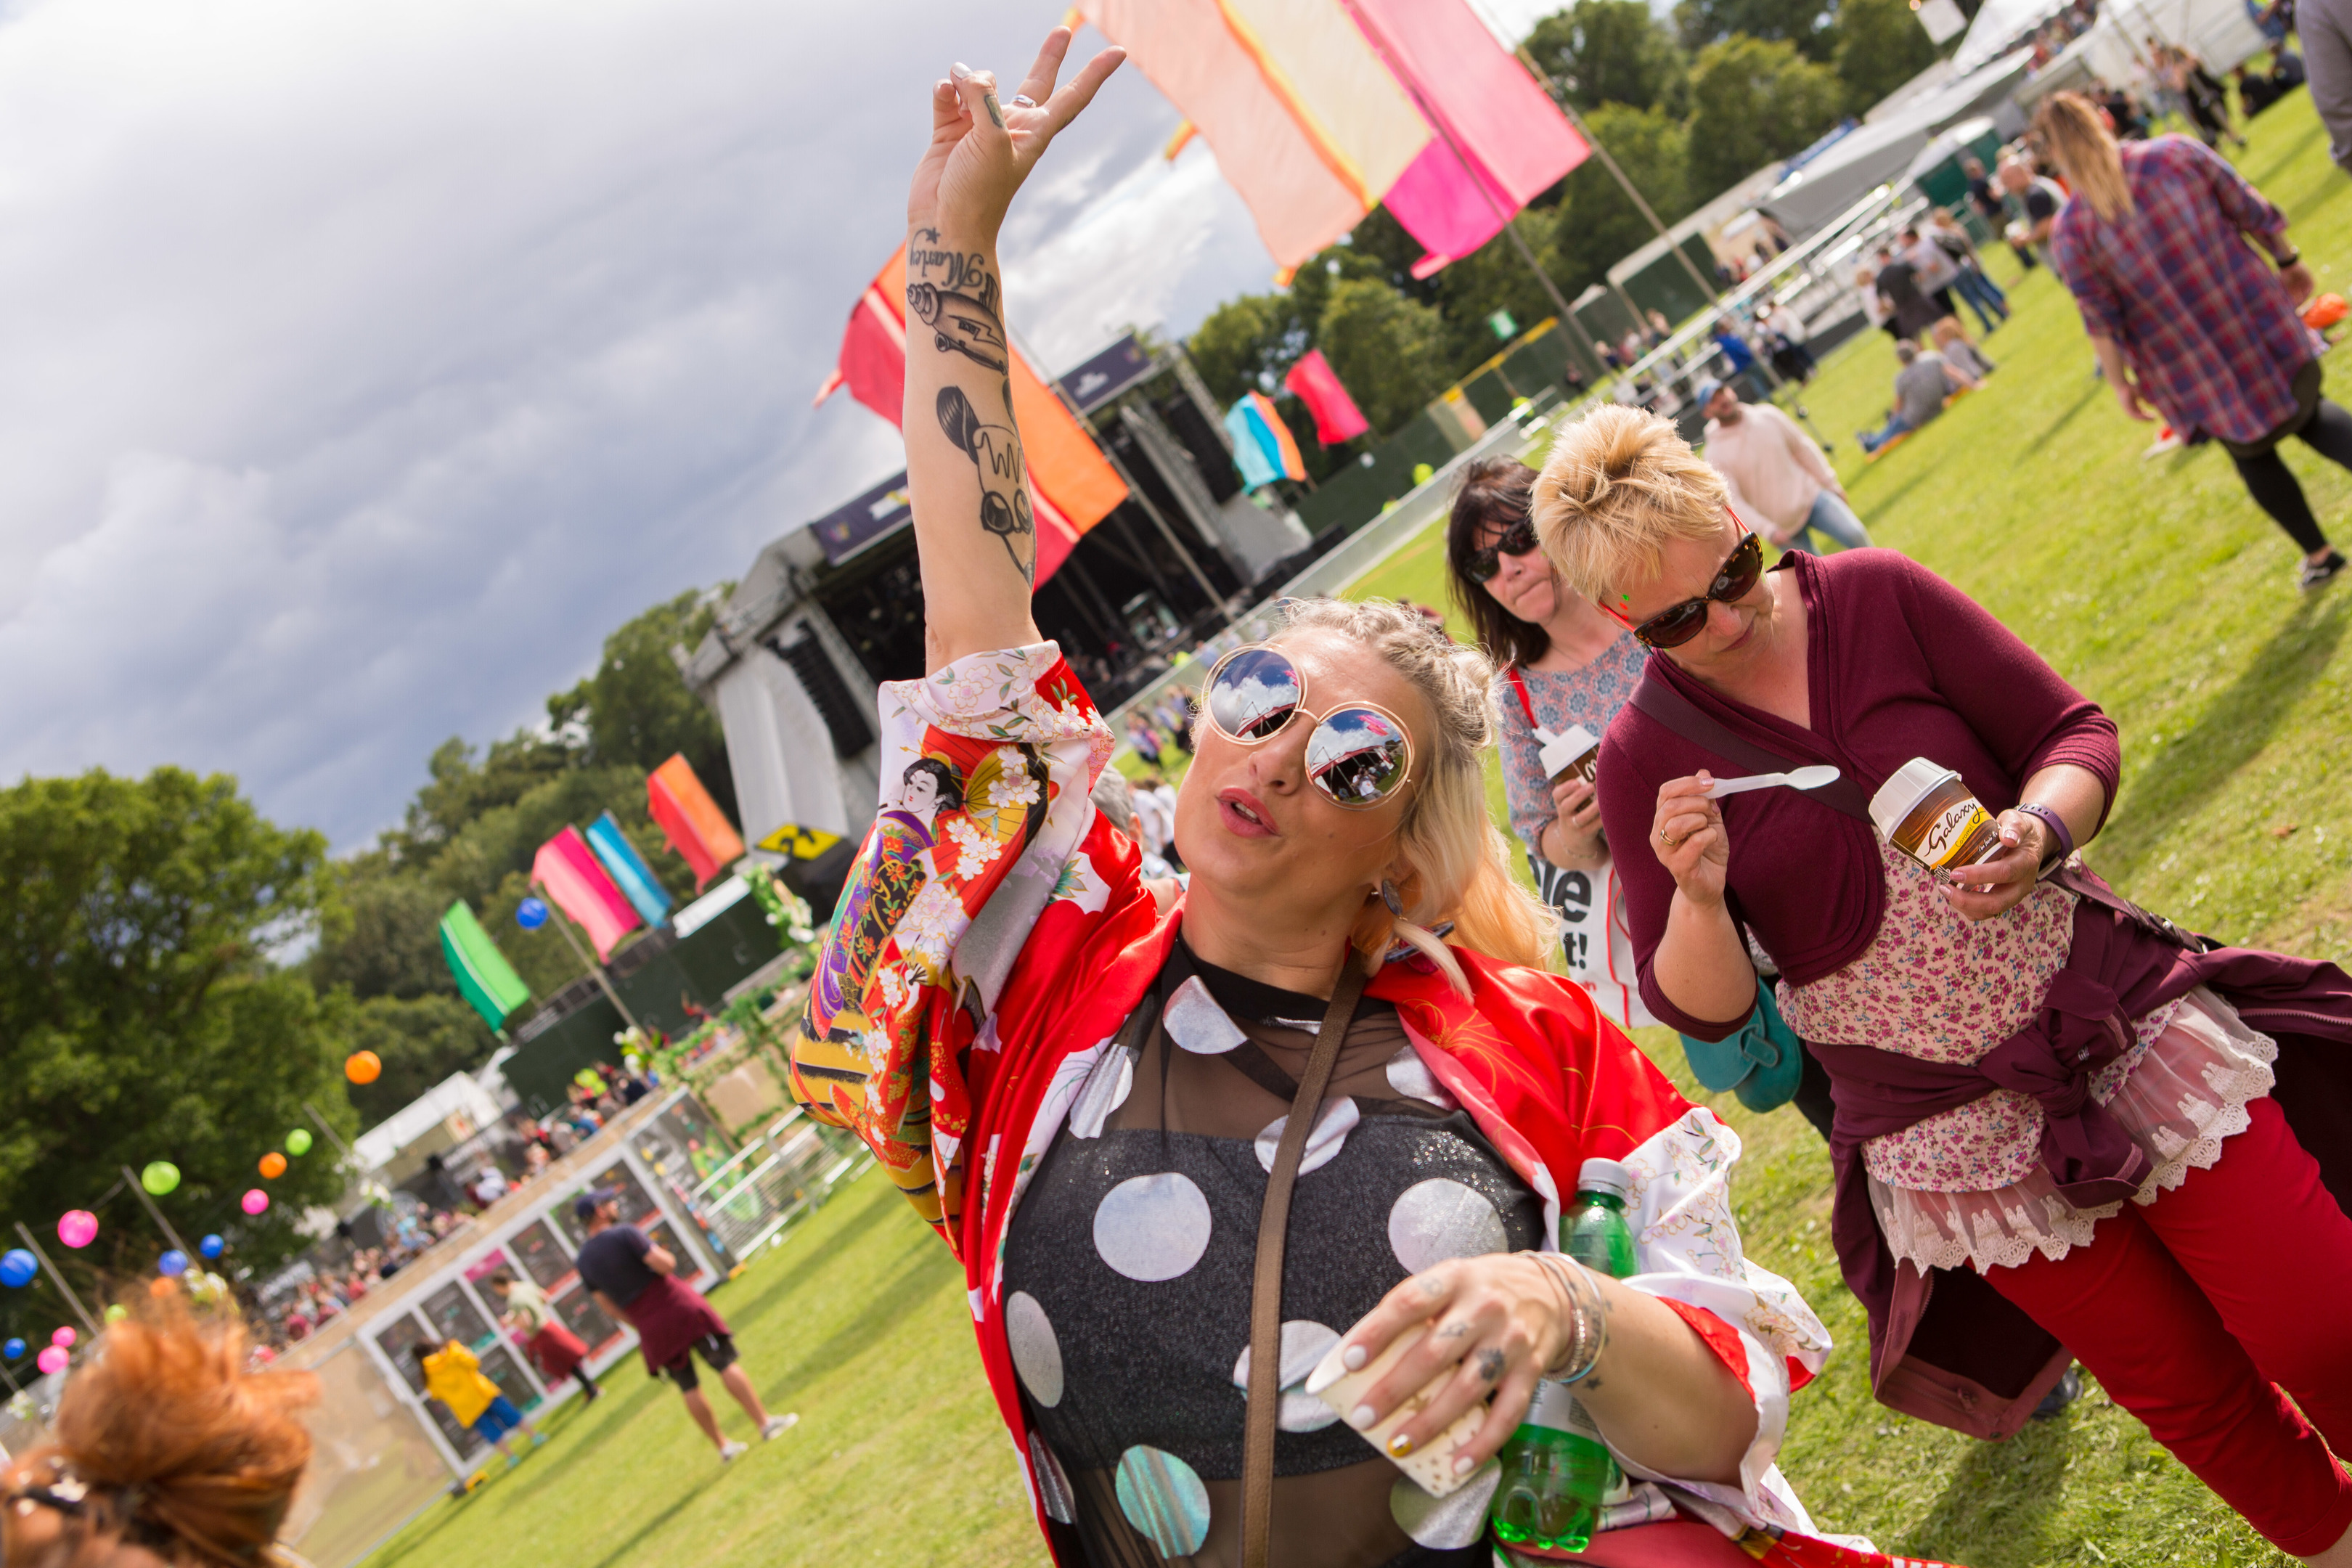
x=718 y=1354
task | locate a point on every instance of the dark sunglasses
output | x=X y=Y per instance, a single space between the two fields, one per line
x=1358 y=754
x=1518 y=539
x=1733 y=580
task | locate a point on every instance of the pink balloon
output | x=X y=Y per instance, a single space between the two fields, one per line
x=53 y=1359
x=255 y=1202
x=64 y=1338
x=78 y=1228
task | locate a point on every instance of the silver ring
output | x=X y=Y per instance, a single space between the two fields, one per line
x=1022 y=100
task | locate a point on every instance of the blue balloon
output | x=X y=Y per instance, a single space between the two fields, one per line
x=532 y=913
x=13 y=1350
x=212 y=1246
x=174 y=1263
x=18 y=1267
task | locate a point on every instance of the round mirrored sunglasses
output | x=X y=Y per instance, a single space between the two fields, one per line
x=1358 y=754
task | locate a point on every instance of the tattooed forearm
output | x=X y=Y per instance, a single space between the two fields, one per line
x=958 y=322
x=995 y=451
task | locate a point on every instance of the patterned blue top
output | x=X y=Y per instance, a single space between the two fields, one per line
x=1590 y=696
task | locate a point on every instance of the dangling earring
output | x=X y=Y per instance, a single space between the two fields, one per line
x=1389 y=896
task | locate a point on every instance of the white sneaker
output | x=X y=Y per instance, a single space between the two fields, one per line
x=776 y=1425
x=2167 y=440
x=727 y=1451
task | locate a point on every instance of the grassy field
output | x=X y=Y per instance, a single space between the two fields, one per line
x=2157 y=586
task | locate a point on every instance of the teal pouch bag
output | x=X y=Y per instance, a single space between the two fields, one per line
x=1761 y=1064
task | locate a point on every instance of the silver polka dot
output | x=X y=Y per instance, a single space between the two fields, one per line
x=1163 y=1497
x=1152 y=1228
x=1105 y=1091
x=1446 y=1523
x=1332 y=1124
x=1304 y=1343
x=1036 y=1353
x=1438 y=1219
x=1194 y=1021
x=1411 y=1077
x=1053 y=1484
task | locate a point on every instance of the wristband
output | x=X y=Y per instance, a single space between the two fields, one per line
x=2060 y=838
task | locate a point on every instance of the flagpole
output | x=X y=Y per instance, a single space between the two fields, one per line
x=1708 y=290
x=58 y=1281
x=555 y=912
x=155 y=1214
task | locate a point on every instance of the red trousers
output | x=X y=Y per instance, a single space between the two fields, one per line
x=2197 y=1310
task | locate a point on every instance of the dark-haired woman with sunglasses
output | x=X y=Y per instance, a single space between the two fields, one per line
x=1100 y=1091
x=2056 y=1135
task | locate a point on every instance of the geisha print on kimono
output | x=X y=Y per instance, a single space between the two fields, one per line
x=961 y=1011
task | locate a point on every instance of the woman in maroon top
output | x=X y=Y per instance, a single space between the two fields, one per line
x=2055 y=1133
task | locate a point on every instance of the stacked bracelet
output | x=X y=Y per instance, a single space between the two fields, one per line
x=2062 y=838
x=1581 y=1314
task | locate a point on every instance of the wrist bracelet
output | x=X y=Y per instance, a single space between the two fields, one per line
x=1583 y=1315
x=2060 y=838
x=2291 y=259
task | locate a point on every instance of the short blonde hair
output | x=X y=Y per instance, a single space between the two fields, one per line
x=1621 y=483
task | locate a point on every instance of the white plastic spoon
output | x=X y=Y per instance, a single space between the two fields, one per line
x=1802 y=778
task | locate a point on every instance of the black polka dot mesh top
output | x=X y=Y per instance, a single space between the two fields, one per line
x=1127 y=1269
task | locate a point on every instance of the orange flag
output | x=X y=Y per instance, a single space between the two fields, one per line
x=1072 y=486
x=691 y=820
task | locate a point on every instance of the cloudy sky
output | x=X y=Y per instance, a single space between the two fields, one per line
x=365 y=364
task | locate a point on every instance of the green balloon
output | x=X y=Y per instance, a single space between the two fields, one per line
x=298 y=1142
x=160 y=1177
x=117 y=1312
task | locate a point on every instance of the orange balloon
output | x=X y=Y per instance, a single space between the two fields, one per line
x=363 y=1067
x=273 y=1165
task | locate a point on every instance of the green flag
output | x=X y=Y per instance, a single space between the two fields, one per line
x=484 y=977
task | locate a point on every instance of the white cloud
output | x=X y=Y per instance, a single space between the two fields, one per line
x=368 y=363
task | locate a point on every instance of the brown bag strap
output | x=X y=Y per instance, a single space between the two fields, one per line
x=1265 y=1290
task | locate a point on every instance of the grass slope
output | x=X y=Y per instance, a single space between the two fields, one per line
x=2157 y=587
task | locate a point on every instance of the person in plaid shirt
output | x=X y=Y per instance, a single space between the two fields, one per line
x=2184 y=315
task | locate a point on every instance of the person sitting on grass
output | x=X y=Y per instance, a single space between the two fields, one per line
x=1100 y=1092
x=1960 y=354
x=165 y=1452
x=636 y=1283
x=453 y=1375
x=1921 y=385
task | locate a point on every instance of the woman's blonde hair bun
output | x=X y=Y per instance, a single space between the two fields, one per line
x=1617 y=485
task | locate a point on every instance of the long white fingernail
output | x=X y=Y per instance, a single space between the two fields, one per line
x=1462 y=1464
x=959 y=71
x=1355 y=1356
x=1361 y=1418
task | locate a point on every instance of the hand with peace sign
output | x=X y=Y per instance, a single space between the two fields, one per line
x=983 y=147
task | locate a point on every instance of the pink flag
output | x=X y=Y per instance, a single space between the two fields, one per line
x=1319 y=386
x=567 y=869
x=1502 y=141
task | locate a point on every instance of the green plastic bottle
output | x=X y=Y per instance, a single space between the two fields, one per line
x=1557 y=1470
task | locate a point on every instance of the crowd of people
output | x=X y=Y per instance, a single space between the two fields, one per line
x=2063 y=1130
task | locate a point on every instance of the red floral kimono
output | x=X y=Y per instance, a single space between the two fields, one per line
x=997 y=932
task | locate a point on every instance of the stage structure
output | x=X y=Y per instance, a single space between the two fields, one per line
x=835 y=606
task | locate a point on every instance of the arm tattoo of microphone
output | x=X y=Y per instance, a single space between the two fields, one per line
x=995 y=451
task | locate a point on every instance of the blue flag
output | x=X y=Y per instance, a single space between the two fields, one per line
x=628 y=868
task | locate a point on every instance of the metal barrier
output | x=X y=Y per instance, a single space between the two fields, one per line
x=783 y=1174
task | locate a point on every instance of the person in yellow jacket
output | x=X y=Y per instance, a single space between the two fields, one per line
x=453 y=1375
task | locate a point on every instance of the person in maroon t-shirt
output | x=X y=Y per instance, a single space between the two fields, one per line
x=637 y=1283
x=2055 y=1133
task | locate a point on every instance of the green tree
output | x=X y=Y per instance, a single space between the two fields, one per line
x=379 y=932
x=1597 y=226
x=1806 y=24
x=1245 y=344
x=142 y=1016
x=1387 y=349
x=1755 y=101
x=1612 y=52
x=421 y=1041
x=636 y=711
x=1881 y=45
